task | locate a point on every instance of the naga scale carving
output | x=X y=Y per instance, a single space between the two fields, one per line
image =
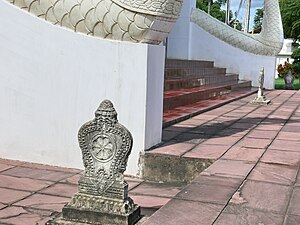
x=102 y=196
x=148 y=21
x=269 y=42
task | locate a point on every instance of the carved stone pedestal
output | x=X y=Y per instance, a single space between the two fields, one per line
x=261 y=100
x=88 y=209
x=102 y=196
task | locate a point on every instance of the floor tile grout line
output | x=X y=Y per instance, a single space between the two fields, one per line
x=37 y=191
x=259 y=158
x=210 y=136
x=294 y=183
x=255 y=108
x=7 y=169
x=208 y=120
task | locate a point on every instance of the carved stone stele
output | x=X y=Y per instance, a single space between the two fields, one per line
x=261 y=98
x=102 y=196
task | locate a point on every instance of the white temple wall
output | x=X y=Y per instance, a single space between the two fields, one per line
x=178 y=45
x=189 y=41
x=247 y=65
x=52 y=80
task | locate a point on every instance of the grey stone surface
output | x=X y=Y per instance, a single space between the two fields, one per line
x=261 y=98
x=102 y=196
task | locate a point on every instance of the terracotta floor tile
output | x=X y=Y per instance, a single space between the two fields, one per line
x=285 y=145
x=243 y=153
x=168 y=135
x=207 y=193
x=232 y=132
x=263 y=196
x=294 y=207
x=282 y=157
x=292 y=220
x=203 y=151
x=248 y=216
x=298 y=181
x=269 y=127
x=60 y=189
x=5 y=167
x=280 y=174
x=217 y=181
x=190 y=138
x=178 y=128
x=20 y=216
x=262 y=134
x=25 y=184
x=229 y=168
x=251 y=120
x=72 y=180
x=254 y=143
x=288 y=128
x=179 y=212
x=132 y=184
x=288 y=136
x=11 y=162
x=43 y=201
x=157 y=189
x=149 y=201
x=8 y=196
x=49 y=167
x=227 y=140
x=173 y=148
x=2 y=206
x=37 y=173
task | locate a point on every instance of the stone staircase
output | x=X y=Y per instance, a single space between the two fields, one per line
x=191 y=85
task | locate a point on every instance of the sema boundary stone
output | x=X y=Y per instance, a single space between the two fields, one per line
x=102 y=196
x=261 y=98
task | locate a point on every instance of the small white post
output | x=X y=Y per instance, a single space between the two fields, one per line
x=260 y=98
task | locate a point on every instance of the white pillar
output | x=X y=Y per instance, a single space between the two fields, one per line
x=52 y=80
x=179 y=38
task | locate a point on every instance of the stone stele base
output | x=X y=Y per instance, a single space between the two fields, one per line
x=261 y=100
x=87 y=209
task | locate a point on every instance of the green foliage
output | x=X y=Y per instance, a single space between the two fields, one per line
x=296 y=64
x=296 y=55
x=290 y=12
x=296 y=69
x=258 y=18
x=216 y=11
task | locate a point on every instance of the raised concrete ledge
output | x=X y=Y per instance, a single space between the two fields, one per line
x=52 y=80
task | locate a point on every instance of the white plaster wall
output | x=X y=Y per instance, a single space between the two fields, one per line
x=189 y=41
x=179 y=38
x=52 y=80
x=247 y=65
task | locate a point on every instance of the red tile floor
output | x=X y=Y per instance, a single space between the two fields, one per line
x=254 y=180
x=31 y=193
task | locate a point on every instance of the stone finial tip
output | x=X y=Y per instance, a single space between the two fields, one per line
x=106 y=109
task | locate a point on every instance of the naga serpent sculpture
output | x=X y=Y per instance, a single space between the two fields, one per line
x=145 y=21
x=269 y=42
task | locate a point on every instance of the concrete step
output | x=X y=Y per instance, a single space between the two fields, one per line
x=183 y=83
x=242 y=84
x=176 y=98
x=179 y=63
x=181 y=113
x=193 y=72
